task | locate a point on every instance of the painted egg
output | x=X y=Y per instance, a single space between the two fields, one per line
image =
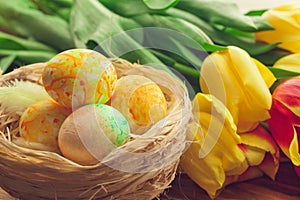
x=91 y=132
x=39 y=125
x=140 y=100
x=78 y=77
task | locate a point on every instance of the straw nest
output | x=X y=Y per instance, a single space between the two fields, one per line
x=141 y=169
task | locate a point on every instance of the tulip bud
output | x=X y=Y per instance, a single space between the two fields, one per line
x=241 y=83
x=285 y=20
x=285 y=118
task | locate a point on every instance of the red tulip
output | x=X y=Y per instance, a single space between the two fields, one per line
x=285 y=119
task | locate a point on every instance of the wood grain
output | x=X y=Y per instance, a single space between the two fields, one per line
x=286 y=187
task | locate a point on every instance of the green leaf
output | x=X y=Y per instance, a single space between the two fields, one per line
x=106 y=29
x=282 y=73
x=24 y=4
x=260 y=48
x=61 y=8
x=28 y=56
x=63 y=3
x=261 y=24
x=222 y=37
x=197 y=39
x=126 y=8
x=12 y=42
x=186 y=70
x=219 y=12
x=190 y=74
x=187 y=54
x=172 y=44
x=32 y=23
x=238 y=33
x=270 y=57
x=159 y=4
x=256 y=12
x=5 y=62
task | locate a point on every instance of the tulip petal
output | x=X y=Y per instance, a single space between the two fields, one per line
x=269 y=166
x=284 y=131
x=266 y=74
x=212 y=81
x=207 y=165
x=294 y=150
x=250 y=173
x=266 y=154
x=286 y=93
x=285 y=20
x=209 y=172
x=208 y=106
x=254 y=156
x=249 y=74
x=234 y=78
x=289 y=62
x=260 y=139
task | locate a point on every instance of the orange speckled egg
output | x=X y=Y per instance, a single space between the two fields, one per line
x=78 y=77
x=39 y=125
x=140 y=100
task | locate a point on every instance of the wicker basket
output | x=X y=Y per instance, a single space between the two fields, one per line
x=141 y=169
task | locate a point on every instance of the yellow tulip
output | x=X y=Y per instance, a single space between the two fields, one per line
x=286 y=23
x=217 y=155
x=214 y=149
x=241 y=83
x=290 y=62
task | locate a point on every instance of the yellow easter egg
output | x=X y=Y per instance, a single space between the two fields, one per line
x=78 y=77
x=39 y=125
x=140 y=100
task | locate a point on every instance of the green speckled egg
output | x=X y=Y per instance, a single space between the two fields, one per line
x=92 y=132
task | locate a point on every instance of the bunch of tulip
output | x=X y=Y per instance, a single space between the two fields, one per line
x=227 y=140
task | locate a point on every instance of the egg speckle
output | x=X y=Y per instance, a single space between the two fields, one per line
x=92 y=132
x=140 y=100
x=78 y=77
x=39 y=125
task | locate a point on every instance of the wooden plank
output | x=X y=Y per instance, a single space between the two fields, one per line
x=286 y=186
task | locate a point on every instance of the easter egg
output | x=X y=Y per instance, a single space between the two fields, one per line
x=39 y=125
x=78 y=77
x=92 y=132
x=140 y=100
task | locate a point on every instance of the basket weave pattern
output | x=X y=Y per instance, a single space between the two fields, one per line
x=140 y=169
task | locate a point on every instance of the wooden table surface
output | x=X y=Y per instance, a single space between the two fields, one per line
x=286 y=187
